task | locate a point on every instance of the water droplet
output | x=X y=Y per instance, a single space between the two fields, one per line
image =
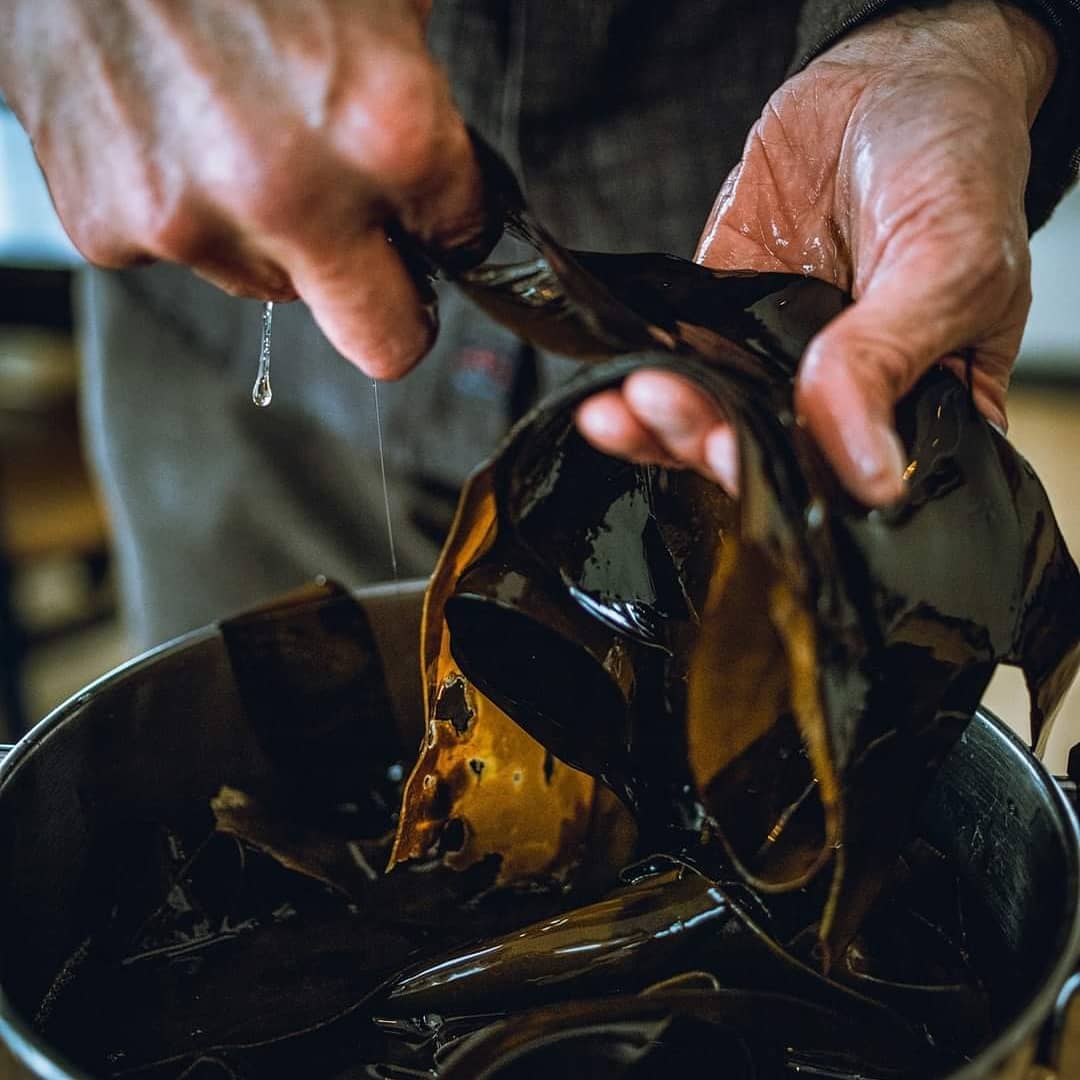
x=261 y=393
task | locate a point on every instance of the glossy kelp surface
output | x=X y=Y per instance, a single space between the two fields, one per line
x=784 y=672
x=616 y=661
x=679 y=1033
x=218 y=961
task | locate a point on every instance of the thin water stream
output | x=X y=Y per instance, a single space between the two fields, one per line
x=262 y=394
x=385 y=486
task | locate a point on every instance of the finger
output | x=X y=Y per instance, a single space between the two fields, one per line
x=851 y=376
x=450 y=210
x=411 y=141
x=916 y=310
x=252 y=286
x=686 y=422
x=236 y=269
x=848 y=408
x=989 y=379
x=606 y=421
x=366 y=304
x=195 y=233
x=722 y=455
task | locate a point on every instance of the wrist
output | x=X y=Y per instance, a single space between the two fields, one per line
x=1036 y=52
x=1012 y=52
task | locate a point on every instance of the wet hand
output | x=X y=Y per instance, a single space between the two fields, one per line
x=264 y=143
x=894 y=165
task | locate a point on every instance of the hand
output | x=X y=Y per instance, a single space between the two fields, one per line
x=894 y=165
x=264 y=143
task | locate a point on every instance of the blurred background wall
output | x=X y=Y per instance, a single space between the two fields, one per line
x=58 y=627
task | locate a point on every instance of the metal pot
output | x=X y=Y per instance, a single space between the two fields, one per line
x=168 y=728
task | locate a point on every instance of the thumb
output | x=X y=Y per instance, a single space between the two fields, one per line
x=734 y=237
x=845 y=393
x=859 y=366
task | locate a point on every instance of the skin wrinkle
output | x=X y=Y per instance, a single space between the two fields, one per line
x=922 y=118
x=224 y=152
x=121 y=111
x=402 y=152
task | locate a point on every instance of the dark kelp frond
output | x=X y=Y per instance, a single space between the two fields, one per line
x=804 y=662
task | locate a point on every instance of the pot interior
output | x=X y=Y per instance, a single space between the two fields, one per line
x=156 y=741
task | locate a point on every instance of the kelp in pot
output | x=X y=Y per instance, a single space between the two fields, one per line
x=805 y=663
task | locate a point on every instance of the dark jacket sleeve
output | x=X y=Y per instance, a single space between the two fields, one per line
x=1055 y=136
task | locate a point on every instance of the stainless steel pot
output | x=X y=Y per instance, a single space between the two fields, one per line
x=168 y=728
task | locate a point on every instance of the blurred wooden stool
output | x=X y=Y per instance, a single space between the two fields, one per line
x=49 y=507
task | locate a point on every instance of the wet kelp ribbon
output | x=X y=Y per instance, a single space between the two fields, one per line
x=215 y=961
x=784 y=672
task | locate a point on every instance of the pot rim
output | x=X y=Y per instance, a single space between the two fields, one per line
x=21 y=1040
x=31 y=1050
x=1041 y=1008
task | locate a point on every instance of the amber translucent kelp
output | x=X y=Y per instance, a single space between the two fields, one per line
x=785 y=671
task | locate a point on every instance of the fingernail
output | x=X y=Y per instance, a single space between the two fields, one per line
x=721 y=455
x=998 y=421
x=880 y=464
x=658 y=408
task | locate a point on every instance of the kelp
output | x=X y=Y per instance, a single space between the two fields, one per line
x=804 y=662
x=615 y=660
x=217 y=960
x=666 y=916
x=750 y=1034
x=482 y=786
x=637 y=933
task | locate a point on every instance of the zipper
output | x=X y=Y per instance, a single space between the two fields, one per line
x=871 y=7
x=1050 y=13
x=875 y=7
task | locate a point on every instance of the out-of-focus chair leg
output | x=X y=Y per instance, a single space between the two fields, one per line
x=12 y=649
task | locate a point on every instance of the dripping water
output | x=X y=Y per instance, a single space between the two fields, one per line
x=261 y=393
x=385 y=488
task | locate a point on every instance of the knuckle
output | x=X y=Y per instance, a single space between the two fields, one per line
x=876 y=361
x=407 y=121
x=101 y=235
x=391 y=358
x=1023 y=297
x=258 y=185
x=175 y=234
x=998 y=255
x=813 y=377
x=102 y=245
x=270 y=202
x=993 y=269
